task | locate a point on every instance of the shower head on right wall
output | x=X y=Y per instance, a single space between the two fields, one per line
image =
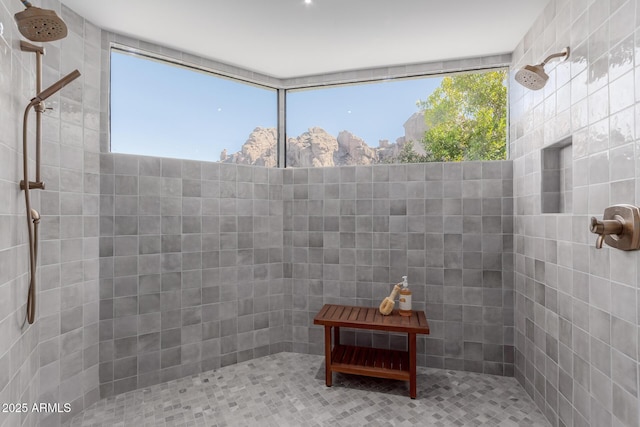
x=533 y=76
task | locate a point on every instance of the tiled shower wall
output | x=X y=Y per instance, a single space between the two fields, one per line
x=190 y=268
x=55 y=360
x=206 y=264
x=577 y=307
x=352 y=232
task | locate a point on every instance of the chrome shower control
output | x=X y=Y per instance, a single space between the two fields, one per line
x=619 y=227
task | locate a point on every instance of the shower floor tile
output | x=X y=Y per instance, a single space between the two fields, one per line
x=287 y=389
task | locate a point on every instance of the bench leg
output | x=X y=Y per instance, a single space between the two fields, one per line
x=412 y=366
x=327 y=356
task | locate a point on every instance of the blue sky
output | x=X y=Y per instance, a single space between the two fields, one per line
x=169 y=111
x=371 y=111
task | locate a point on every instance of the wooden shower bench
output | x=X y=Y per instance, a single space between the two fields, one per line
x=373 y=362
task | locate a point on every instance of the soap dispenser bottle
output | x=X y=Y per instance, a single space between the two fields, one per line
x=405 y=298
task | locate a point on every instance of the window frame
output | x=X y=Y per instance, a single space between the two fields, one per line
x=126 y=50
x=322 y=81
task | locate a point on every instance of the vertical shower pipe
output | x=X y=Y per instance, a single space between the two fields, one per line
x=39 y=107
x=26 y=184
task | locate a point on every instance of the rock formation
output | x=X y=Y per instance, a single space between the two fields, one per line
x=313 y=148
x=414 y=129
x=260 y=149
x=353 y=151
x=316 y=147
x=388 y=151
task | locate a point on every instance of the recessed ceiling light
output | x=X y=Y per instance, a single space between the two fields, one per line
x=307 y=1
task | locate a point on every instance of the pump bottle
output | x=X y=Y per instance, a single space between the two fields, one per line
x=405 y=298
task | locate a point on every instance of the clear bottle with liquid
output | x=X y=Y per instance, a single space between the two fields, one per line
x=405 y=298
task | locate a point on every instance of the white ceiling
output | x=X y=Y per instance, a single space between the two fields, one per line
x=288 y=38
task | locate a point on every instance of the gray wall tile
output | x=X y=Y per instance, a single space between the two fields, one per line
x=588 y=291
x=70 y=209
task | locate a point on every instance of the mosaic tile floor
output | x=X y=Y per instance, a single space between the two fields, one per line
x=287 y=389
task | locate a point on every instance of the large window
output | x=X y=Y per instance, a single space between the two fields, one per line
x=166 y=110
x=163 y=109
x=452 y=118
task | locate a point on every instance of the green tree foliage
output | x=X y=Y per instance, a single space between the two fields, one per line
x=408 y=155
x=466 y=119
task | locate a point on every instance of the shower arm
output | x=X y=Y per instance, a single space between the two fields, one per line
x=555 y=55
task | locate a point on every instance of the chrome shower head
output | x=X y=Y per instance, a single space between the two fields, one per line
x=533 y=76
x=40 y=25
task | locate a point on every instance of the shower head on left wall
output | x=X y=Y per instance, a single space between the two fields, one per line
x=42 y=26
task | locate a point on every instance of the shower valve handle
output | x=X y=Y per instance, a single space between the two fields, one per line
x=604 y=228
x=619 y=227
